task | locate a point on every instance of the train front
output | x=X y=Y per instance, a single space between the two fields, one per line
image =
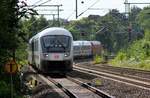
x=57 y=52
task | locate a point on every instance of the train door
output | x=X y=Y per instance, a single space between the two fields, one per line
x=32 y=52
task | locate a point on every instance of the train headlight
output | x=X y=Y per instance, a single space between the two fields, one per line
x=45 y=55
x=66 y=54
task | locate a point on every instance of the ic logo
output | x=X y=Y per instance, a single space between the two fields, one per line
x=56 y=56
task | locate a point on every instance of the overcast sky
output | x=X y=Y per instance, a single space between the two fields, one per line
x=69 y=6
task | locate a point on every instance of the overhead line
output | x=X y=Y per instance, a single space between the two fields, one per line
x=99 y=9
x=41 y=3
x=47 y=14
x=70 y=15
x=37 y=2
x=89 y=7
x=136 y=3
x=49 y=10
x=44 y=5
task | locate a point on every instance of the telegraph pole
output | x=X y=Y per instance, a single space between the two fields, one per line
x=127 y=6
x=76 y=9
x=58 y=16
x=53 y=18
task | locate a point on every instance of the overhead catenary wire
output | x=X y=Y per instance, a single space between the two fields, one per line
x=37 y=2
x=88 y=8
x=34 y=6
x=29 y=7
x=99 y=9
x=70 y=15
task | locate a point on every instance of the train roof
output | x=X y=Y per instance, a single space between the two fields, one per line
x=53 y=31
x=81 y=43
x=96 y=42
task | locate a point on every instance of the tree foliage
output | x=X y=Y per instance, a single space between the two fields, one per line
x=33 y=25
x=108 y=29
x=10 y=38
x=137 y=55
x=8 y=24
x=10 y=14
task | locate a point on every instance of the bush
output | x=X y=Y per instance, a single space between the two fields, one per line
x=4 y=90
x=121 y=56
x=97 y=59
x=136 y=56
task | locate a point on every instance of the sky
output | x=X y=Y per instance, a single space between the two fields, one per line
x=68 y=7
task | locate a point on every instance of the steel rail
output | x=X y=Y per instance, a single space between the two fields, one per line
x=109 y=68
x=103 y=69
x=114 y=77
x=66 y=91
x=46 y=79
x=125 y=68
x=69 y=93
x=93 y=89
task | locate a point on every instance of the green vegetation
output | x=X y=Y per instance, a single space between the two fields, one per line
x=98 y=59
x=10 y=42
x=137 y=55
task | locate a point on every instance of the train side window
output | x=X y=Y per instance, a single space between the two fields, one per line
x=36 y=45
x=32 y=45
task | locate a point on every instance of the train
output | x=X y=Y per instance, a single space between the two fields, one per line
x=51 y=50
x=86 y=49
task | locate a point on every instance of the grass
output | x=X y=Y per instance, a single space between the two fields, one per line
x=98 y=59
x=132 y=63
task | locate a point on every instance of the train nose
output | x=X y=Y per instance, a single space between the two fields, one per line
x=45 y=55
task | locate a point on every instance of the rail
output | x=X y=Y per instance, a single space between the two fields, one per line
x=93 y=89
x=115 y=77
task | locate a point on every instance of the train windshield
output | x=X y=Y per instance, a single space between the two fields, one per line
x=56 y=43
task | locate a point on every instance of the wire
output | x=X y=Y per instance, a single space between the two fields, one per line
x=88 y=8
x=37 y=2
x=70 y=15
x=99 y=9
x=41 y=3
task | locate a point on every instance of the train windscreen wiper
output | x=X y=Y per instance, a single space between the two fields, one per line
x=61 y=44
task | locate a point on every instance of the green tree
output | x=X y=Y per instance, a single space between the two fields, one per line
x=144 y=18
x=144 y=21
x=33 y=25
x=8 y=29
x=10 y=15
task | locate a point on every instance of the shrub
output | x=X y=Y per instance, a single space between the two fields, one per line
x=4 y=90
x=97 y=59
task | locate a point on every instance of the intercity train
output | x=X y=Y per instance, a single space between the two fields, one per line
x=51 y=50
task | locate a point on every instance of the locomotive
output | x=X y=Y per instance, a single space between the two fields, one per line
x=51 y=50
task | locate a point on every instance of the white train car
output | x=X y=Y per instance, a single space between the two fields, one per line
x=96 y=48
x=51 y=50
x=82 y=49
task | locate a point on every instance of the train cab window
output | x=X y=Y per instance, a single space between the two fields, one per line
x=56 y=43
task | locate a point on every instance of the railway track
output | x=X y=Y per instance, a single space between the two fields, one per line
x=67 y=87
x=131 y=73
x=137 y=74
x=77 y=89
x=142 y=83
